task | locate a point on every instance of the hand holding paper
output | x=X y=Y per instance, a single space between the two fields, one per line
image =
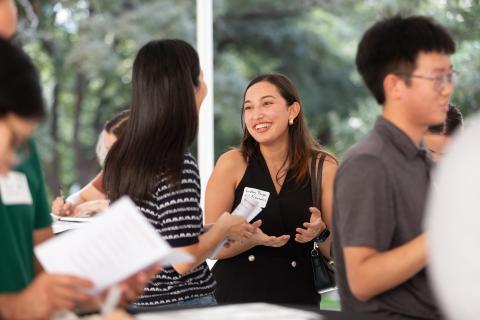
x=248 y=208
x=116 y=244
x=236 y=228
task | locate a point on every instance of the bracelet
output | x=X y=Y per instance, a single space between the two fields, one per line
x=322 y=236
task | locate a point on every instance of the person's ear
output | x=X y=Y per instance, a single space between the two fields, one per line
x=293 y=111
x=393 y=86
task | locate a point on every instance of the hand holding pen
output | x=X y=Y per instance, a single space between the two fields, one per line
x=60 y=207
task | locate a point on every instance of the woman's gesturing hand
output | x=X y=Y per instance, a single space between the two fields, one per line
x=312 y=228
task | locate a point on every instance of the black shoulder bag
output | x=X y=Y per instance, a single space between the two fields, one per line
x=323 y=269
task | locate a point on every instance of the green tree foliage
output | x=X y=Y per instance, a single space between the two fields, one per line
x=84 y=50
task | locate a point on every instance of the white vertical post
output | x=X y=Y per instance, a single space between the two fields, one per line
x=205 y=142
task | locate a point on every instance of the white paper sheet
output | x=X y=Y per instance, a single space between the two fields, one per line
x=261 y=196
x=116 y=244
x=247 y=208
x=250 y=311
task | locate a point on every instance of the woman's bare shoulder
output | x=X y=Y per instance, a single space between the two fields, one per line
x=228 y=171
x=232 y=161
x=233 y=154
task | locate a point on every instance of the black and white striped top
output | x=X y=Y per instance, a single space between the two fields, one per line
x=177 y=216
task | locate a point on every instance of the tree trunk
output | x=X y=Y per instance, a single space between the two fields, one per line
x=78 y=151
x=52 y=176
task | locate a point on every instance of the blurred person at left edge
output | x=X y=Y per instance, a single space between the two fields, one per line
x=26 y=292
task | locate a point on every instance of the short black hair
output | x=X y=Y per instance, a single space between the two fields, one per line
x=20 y=90
x=392 y=45
x=452 y=123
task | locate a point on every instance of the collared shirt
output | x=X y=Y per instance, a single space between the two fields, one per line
x=379 y=200
x=17 y=224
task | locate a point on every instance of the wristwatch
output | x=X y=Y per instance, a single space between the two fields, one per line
x=322 y=236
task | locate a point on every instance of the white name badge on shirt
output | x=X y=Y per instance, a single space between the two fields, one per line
x=258 y=195
x=14 y=189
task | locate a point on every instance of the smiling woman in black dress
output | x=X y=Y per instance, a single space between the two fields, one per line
x=272 y=165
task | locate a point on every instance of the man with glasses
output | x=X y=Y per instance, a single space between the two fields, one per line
x=381 y=186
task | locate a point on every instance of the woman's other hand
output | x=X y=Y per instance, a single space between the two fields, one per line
x=311 y=229
x=259 y=237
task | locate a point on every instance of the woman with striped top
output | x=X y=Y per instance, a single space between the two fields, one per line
x=151 y=164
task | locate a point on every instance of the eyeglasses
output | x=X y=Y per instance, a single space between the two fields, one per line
x=440 y=81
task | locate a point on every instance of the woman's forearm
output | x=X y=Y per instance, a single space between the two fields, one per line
x=234 y=248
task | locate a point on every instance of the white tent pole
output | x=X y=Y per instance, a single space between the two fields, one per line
x=205 y=140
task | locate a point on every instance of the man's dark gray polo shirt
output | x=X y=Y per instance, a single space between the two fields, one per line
x=379 y=200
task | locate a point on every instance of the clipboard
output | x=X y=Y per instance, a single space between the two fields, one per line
x=71 y=219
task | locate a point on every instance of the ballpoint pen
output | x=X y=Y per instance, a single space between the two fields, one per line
x=60 y=193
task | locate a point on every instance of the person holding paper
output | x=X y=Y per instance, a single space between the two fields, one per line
x=272 y=166
x=92 y=199
x=24 y=214
x=26 y=292
x=152 y=165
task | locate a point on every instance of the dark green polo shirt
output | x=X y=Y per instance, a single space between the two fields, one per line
x=17 y=223
x=379 y=200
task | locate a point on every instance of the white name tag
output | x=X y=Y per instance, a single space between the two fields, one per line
x=14 y=189
x=260 y=196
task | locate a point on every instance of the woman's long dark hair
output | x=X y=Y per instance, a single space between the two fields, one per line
x=163 y=120
x=301 y=145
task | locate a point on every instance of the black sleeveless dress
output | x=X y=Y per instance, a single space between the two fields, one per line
x=266 y=274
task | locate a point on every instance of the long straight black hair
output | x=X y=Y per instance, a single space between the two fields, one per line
x=163 y=121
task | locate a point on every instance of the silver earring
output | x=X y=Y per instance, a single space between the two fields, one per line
x=290 y=121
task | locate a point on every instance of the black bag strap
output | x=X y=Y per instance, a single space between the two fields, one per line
x=316 y=179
